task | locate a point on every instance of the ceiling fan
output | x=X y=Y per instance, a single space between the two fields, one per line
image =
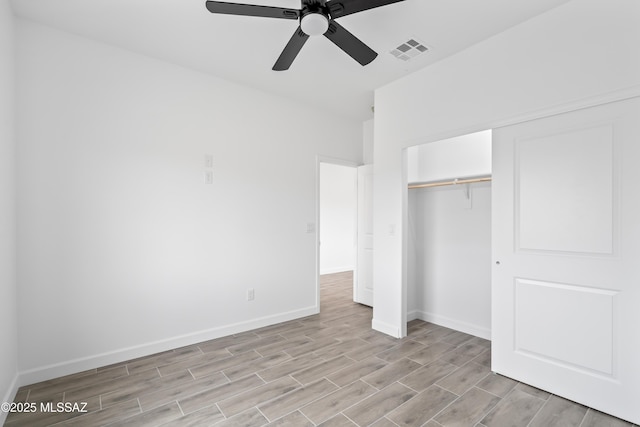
x=316 y=17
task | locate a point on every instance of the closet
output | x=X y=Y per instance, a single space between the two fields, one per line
x=449 y=263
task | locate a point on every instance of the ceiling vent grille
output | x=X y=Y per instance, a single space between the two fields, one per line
x=409 y=50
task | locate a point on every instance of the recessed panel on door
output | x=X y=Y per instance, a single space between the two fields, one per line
x=565 y=324
x=564 y=187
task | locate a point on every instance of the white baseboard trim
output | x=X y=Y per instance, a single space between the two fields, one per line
x=91 y=362
x=333 y=270
x=386 y=328
x=447 y=322
x=9 y=396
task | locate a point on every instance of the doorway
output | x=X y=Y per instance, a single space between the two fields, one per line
x=337 y=219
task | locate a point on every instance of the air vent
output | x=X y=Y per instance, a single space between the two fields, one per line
x=409 y=50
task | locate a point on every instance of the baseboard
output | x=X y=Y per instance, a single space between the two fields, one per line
x=9 y=396
x=86 y=363
x=386 y=328
x=447 y=322
x=336 y=270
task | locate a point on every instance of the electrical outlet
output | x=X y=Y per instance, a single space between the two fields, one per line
x=251 y=294
x=208 y=161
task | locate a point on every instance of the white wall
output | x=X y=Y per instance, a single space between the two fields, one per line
x=582 y=50
x=338 y=215
x=8 y=319
x=452 y=238
x=123 y=250
x=459 y=157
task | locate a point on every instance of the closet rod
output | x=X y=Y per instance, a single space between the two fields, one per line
x=453 y=182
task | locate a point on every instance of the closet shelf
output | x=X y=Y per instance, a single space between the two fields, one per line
x=451 y=182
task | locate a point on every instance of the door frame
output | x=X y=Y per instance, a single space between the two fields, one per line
x=334 y=161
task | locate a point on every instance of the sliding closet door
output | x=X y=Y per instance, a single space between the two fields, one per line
x=566 y=256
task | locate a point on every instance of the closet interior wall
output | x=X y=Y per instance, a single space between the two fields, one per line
x=449 y=245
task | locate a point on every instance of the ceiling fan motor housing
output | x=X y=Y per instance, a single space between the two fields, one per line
x=314 y=17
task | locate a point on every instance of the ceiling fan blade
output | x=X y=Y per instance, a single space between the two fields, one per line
x=350 y=43
x=340 y=8
x=291 y=50
x=251 y=10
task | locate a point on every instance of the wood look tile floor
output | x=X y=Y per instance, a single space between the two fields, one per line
x=329 y=369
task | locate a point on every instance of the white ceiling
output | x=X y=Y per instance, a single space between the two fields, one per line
x=243 y=49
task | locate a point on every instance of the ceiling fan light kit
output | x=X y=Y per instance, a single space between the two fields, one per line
x=314 y=24
x=316 y=17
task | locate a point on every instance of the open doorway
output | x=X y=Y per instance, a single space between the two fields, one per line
x=337 y=230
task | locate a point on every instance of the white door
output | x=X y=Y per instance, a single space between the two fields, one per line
x=566 y=254
x=363 y=283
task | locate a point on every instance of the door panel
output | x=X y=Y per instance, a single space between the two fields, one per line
x=363 y=292
x=565 y=191
x=566 y=245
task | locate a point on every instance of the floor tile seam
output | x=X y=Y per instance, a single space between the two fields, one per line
x=528 y=394
x=186 y=396
x=500 y=399
x=405 y=376
x=391 y=421
x=525 y=384
x=60 y=381
x=191 y=373
x=256 y=348
x=259 y=411
x=303 y=414
x=369 y=384
x=350 y=419
x=260 y=403
x=339 y=387
x=470 y=387
x=446 y=389
x=291 y=376
x=413 y=389
x=212 y=362
x=163 y=365
x=585 y=417
x=226 y=377
x=348 y=357
x=158 y=364
x=297 y=408
x=540 y=409
x=490 y=392
x=234 y=393
x=425 y=364
x=297 y=371
x=267 y=335
x=63 y=387
x=376 y=390
x=433 y=418
x=179 y=407
x=148 y=388
x=127 y=417
x=89 y=413
x=362 y=400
